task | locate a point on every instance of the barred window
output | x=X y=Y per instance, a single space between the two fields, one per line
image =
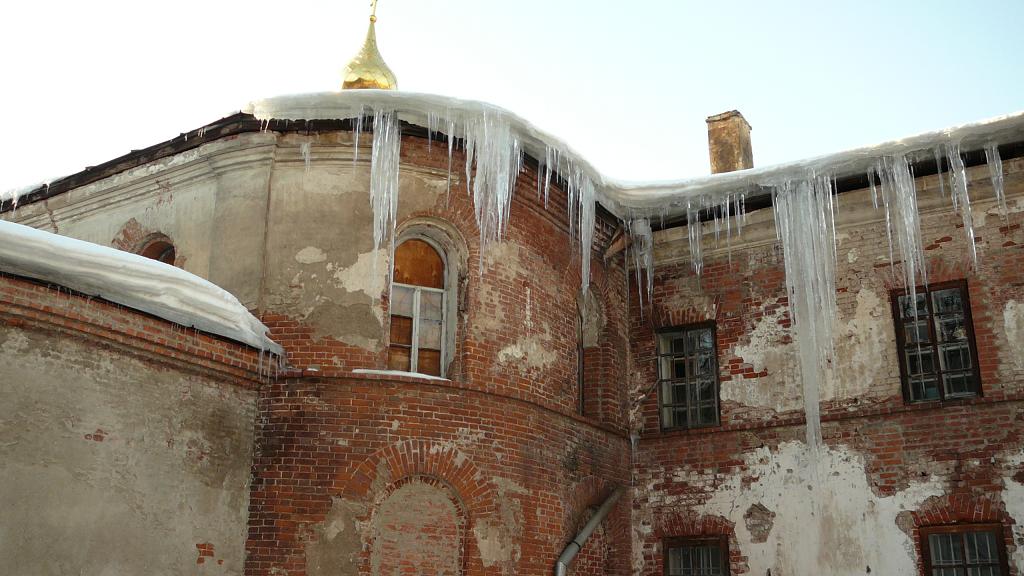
x=697 y=557
x=938 y=357
x=688 y=377
x=963 y=550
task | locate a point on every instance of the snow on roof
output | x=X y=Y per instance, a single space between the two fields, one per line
x=625 y=198
x=130 y=280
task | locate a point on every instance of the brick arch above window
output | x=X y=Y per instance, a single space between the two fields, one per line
x=412 y=458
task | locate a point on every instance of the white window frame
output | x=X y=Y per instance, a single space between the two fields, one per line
x=414 y=353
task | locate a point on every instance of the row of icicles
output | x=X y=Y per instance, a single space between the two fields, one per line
x=805 y=215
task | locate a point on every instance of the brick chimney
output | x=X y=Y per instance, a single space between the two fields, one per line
x=729 y=142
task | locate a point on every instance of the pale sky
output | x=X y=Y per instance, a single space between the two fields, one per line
x=626 y=83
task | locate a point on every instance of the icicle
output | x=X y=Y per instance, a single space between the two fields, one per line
x=740 y=214
x=900 y=197
x=728 y=227
x=494 y=149
x=433 y=124
x=937 y=153
x=642 y=247
x=995 y=170
x=550 y=166
x=962 y=199
x=587 y=209
x=451 y=142
x=694 y=235
x=806 y=231
x=874 y=189
x=888 y=218
x=384 y=160
x=356 y=133
x=306 y=154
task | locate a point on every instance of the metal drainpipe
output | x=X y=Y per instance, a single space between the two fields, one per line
x=573 y=548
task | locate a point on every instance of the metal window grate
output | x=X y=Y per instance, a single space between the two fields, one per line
x=696 y=557
x=966 y=550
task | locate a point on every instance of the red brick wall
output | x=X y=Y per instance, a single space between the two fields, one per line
x=965 y=442
x=512 y=465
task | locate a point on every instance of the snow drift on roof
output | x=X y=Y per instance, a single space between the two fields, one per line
x=629 y=198
x=130 y=280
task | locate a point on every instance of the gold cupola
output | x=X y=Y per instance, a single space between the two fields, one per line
x=367 y=69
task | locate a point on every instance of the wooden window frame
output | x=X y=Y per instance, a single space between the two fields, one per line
x=659 y=335
x=721 y=541
x=900 y=328
x=997 y=529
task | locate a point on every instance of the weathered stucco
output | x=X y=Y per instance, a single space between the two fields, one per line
x=114 y=465
x=826 y=513
x=862 y=351
x=769 y=348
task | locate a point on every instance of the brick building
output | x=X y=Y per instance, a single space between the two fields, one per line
x=457 y=405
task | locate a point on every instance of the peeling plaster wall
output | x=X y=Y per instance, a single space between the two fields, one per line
x=117 y=465
x=826 y=516
x=210 y=201
x=887 y=468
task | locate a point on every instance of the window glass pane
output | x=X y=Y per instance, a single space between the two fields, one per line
x=401 y=330
x=950 y=329
x=675 y=561
x=954 y=356
x=907 y=310
x=695 y=561
x=678 y=344
x=949 y=301
x=431 y=305
x=401 y=300
x=680 y=394
x=983 y=571
x=707 y=340
x=958 y=384
x=708 y=415
x=919 y=360
x=398 y=358
x=924 y=388
x=705 y=364
x=430 y=335
x=680 y=417
x=680 y=368
x=981 y=547
x=917 y=332
x=945 y=549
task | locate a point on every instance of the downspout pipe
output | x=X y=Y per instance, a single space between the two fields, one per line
x=573 y=548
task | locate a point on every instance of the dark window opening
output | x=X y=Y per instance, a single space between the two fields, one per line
x=964 y=550
x=159 y=250
x=417 y=310
x=688 y=377
x=938 y=357
x=697 y=556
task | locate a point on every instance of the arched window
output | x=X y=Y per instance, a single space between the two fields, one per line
x=418 y=309
x=160 y=249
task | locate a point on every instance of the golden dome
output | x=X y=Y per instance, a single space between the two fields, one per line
x=367 y=69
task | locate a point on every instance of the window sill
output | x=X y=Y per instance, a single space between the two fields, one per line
x=415 y=375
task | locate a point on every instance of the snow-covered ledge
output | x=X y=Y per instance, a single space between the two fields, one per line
x=132 y=281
